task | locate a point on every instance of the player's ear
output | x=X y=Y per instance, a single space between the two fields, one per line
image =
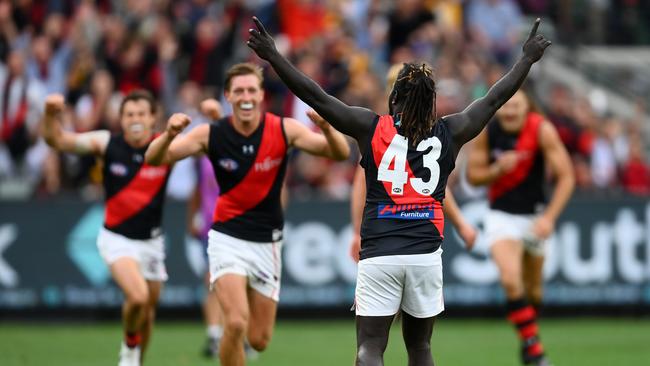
x=392 y=98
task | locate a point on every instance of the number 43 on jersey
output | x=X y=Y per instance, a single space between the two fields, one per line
x=398 y=176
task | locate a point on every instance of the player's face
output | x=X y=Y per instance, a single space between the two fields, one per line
x=513 y=114
x=137 y=120
x=246 y=96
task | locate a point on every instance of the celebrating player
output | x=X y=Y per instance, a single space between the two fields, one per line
x=131 y=240
x=510 y=156
x=407 y=157
x=248 y=151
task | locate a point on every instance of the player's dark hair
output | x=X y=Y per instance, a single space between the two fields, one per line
x=139 y=94
x=245 y=68
x=415 y=90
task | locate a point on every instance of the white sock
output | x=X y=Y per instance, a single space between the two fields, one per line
x=215 y=331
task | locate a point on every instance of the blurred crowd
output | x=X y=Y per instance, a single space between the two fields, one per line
x=94 y=52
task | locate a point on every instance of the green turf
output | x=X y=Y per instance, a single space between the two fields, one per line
x=588 y=342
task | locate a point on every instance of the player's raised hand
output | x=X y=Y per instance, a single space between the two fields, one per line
x=535 y=44
x=260 y=41
x=54 y=104
x=177 y=123
x=211 y=108
x=318 y=120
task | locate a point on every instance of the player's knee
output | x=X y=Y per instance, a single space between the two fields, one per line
x=236 y=325
x=259 y=343
x=369 y=353
x=138 y=299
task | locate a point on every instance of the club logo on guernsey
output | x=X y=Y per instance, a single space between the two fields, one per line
x=118 y=169
x=228 y=165
x=405 y=212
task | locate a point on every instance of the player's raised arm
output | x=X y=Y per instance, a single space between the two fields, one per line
x=94 y=142
x=352 y=121
x=330 y=144
x=468 y=123
x=166 y=149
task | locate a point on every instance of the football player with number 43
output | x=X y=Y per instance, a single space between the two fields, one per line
x=407 y=156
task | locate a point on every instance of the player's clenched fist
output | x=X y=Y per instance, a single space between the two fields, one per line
x=211 y=108
x=177 y=123
x=54 y=104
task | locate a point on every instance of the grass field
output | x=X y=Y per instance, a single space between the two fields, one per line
x=581 y=342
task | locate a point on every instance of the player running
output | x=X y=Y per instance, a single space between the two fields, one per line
x=131 y=240
x=248 y=151
x=510 y=156
x=407 y=157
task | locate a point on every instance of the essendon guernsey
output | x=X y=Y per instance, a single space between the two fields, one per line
x=135 y=191
x=521 y=191
x=250 y=171
x=405 y=185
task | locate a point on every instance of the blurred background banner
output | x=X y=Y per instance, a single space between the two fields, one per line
x=599 y=256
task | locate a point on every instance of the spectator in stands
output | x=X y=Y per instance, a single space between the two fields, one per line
x=494 y=26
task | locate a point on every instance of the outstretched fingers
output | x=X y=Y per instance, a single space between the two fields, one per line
x=533 y=31
x=260 y=26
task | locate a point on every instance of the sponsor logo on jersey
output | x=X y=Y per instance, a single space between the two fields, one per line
x=406 y=212
x=118 y=169
x=228 y=164
x=267 y=164
x=153 y=172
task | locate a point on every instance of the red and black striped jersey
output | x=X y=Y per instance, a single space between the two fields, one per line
x=405 y=187
x=135 y=191
x=250 y=171
x=521 y=191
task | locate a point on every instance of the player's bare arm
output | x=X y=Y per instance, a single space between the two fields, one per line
x=357 y=203
x=167 y=148
x=468 y=123
x=466 y=231
x=352 y=121
x=557 y=158
x=331 y=144
x=93 y=142
x=479 y=170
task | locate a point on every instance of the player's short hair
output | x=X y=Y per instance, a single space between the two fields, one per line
x=244 y=68
x=139 y=94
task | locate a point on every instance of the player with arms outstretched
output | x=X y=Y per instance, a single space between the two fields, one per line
x=407 y=157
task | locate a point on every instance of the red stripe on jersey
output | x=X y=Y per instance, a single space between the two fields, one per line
x=136 y=195
x=259 y=180
x=527 y=142
x=382 y=138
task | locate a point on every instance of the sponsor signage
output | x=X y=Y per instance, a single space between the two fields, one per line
x=598 y=255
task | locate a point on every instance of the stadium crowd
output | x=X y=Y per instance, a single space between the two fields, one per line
x=94 y=52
